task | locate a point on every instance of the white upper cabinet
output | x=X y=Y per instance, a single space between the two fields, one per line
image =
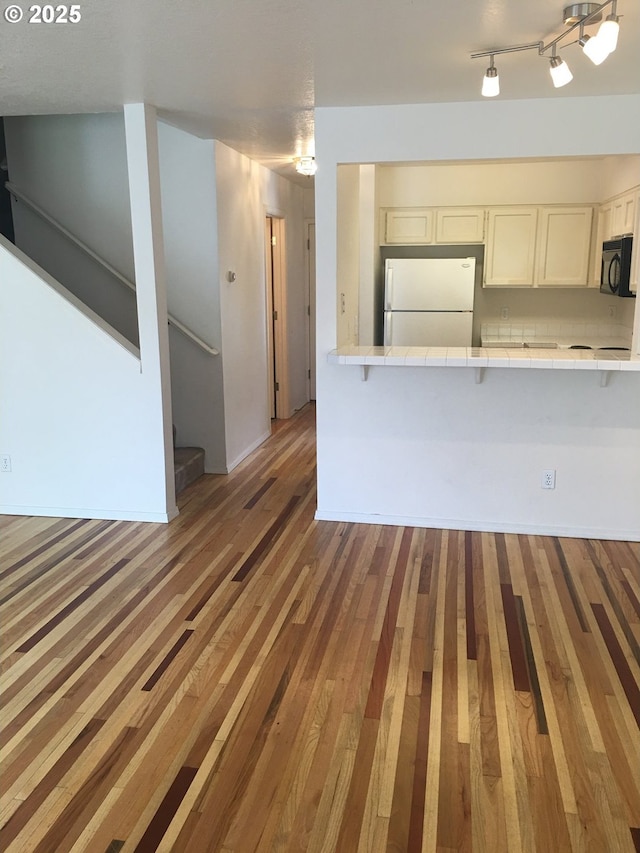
x=564 y=241
x=622 y=217
x=460 y=225
x=446 y=225
x=635 y=254
x=525 y=245
x=409 y=225
x=510 y=247
x=618 y=215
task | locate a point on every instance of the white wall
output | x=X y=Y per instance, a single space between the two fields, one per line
x=75 y=169
x=429 y=445
x=370 y=263
x=79 y=417
x=242 y=302
x=246 y=192
x=189 y=211
x=619 y=175
x=358 y=254
x=348 y=263
x=486 y=183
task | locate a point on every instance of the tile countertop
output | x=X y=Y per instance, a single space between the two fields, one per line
x=480 y=357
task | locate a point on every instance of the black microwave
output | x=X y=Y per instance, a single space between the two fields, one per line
x=615 y=273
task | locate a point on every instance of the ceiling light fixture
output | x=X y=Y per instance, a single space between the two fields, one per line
x=596 y=48
x=609 y=30
x=593 y=48
x=560 y=71
x=491 y=82
x=306 y=165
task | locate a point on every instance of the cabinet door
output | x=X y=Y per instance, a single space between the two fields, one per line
x=564 y=244
x=623 y=214
x=510 y=247
x=410 y=225
x=460 y=225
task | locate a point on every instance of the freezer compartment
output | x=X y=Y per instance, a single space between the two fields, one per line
x=429 y=284
x=428 y=329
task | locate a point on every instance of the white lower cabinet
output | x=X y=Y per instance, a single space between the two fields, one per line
x=510 y=247
x=564 y=242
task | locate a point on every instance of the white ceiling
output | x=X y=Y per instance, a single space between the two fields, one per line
x=250 y=72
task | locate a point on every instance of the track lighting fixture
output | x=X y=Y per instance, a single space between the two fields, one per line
x=596 y=48
x=306 y=165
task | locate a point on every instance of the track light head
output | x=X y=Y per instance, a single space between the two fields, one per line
x=491 y=82
x=608 y=33
x=593 y=48
x=560 y=72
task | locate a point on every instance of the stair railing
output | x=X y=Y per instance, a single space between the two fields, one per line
x=17 y=194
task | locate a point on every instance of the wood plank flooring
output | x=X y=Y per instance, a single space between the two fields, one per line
x=246 y=679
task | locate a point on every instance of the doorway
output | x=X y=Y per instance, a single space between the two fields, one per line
x=277 y=357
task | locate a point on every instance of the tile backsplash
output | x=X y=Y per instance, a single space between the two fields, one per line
x=552 y=329
x=562 y=315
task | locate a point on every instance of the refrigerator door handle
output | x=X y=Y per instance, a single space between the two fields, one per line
x=388 y=317
x=388 y=290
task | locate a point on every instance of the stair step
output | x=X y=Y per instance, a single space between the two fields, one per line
x=188 y=464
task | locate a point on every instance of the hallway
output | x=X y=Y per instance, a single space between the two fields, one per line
x=247 y=679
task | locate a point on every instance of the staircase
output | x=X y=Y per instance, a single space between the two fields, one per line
x=188 y=463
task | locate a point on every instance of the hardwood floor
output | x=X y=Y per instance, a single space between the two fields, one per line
x=246 y=679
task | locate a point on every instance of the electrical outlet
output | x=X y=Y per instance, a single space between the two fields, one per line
x=548 y=479
x=5 y=463
x=504 y=313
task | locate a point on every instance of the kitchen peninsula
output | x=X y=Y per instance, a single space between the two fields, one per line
x=486 y=357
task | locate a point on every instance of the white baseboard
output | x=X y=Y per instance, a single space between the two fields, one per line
x=485 y=526
x=254 y=446
x=84 y=512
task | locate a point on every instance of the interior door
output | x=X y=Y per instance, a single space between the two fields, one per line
x=271 y=356
x=311 y=311
x=276 y=284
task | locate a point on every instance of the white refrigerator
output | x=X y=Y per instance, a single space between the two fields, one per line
x=429 y=301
